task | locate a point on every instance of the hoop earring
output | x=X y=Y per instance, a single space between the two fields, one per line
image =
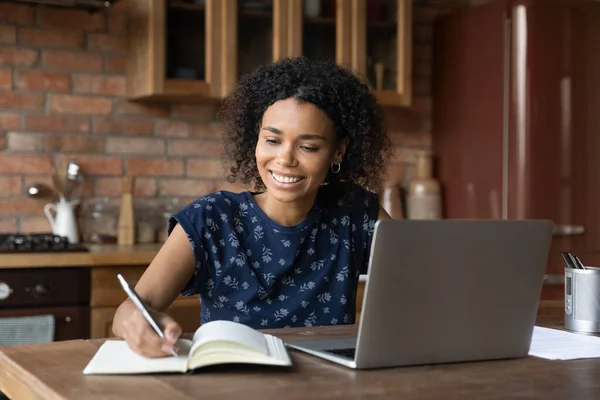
x=336 y=167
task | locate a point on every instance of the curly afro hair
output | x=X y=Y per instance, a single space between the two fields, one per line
x=341 y=94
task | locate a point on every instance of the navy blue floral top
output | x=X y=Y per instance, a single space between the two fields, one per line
x=252 y=270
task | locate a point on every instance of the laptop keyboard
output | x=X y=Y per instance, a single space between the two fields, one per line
x=347 y=353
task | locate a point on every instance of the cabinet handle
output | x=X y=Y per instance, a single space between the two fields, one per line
x=554 y=280
x=5 y=291
x=568 y=230
x=67 y=319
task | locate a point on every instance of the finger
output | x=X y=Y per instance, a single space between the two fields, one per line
x=172 y=329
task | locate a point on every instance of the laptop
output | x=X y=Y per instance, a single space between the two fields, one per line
x=444 y=291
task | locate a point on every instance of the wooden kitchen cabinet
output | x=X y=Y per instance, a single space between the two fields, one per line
x=182 y=50
x=178 y=51
x=107 y=294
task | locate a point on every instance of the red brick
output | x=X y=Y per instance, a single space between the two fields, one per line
x=117 y=23
x=66 y=104
x=10 y=55
x=194 y=148
x=186 y=187
x=206 y=130
x=200 y=112
x=124 y=126
x=37 y=79
x=5 y=78
x=8 y=34
x=57 y=123
x=10 y=185
x=144 y=187
x=24 y=164
x=426 y=14
x=205 y=168
x=10 y=121
x=115 y=64
x=154 y=166
x=419 y=140
x=423 y=52
x=107 y=43
x=72 y=19
x=394 y=174
x=42 y=179
x=135 y=145
x=422 y=104
x=403 y=155
x=422 y=68
x=51 y=38
x=35 y=225
x=21 y=101
x=403 y=119
x=18 y=141
x=72 y=61
x=99 y=84
x=130 y=108
x=423 y=33
x=96 y=165
x=169 y=128
x=422 y=86
x=113 y=187
x=20 y=14
x=8 y=225
x=230 y=187
x=69 y=143
x=2 y=141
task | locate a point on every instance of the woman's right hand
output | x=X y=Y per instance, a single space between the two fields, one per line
x=143 y=340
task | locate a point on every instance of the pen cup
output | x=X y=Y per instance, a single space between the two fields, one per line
x=582 y=299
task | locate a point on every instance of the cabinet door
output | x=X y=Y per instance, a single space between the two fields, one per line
x=319 y=29
x=185 y=311
x=177 y=49
x=382 y=47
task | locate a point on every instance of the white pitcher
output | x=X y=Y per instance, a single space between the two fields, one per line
x=63 y=223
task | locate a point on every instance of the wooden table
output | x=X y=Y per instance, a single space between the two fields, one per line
x=53 y=371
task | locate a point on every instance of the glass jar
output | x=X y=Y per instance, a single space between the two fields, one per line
x=99 y=222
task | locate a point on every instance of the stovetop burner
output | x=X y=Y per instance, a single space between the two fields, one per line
x=37 y=243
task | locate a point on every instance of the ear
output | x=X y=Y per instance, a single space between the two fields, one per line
x=338 y=156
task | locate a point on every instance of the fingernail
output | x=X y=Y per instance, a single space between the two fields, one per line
x=167 y=348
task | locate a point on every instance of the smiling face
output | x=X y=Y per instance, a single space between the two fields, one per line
x=295 y=148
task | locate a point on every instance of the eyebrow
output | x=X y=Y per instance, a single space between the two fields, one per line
x=304 y=136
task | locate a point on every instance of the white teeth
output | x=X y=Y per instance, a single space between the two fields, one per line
x=286 y=179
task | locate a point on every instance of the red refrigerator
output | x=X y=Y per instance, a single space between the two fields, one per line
x=516 y=121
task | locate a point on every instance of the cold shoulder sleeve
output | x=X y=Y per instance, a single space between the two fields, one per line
x=366 y=210
x=191 y=218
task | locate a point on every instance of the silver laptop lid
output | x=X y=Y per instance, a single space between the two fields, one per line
x=451 y=290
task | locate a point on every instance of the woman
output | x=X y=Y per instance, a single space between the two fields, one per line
x=308 y=136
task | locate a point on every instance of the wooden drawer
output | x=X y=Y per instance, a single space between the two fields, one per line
x=106 y=290
x=185 y=311
x=69 y=322
x=46 y=287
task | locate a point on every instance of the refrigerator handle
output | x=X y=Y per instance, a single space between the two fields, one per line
x=567 y=230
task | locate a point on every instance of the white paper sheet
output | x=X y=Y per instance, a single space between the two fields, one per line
x=555 y=344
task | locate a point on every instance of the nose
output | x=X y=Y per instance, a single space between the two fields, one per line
x=286 y=157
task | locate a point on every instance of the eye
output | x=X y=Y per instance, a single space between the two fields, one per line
x=309 y=149
x=271 y=141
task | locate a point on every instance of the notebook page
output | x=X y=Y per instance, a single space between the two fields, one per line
x=555 y=344
x=230 y=331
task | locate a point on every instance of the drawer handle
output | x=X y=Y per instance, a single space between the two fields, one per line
x=5 y=291
x=67 y=319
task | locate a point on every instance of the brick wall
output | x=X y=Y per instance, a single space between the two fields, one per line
x=61 y=97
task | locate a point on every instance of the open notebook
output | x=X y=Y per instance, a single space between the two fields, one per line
x=216 y=342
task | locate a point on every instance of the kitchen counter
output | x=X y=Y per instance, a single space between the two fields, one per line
x=98 y=256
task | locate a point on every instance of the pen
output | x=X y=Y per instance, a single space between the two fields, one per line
x=131 y=293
